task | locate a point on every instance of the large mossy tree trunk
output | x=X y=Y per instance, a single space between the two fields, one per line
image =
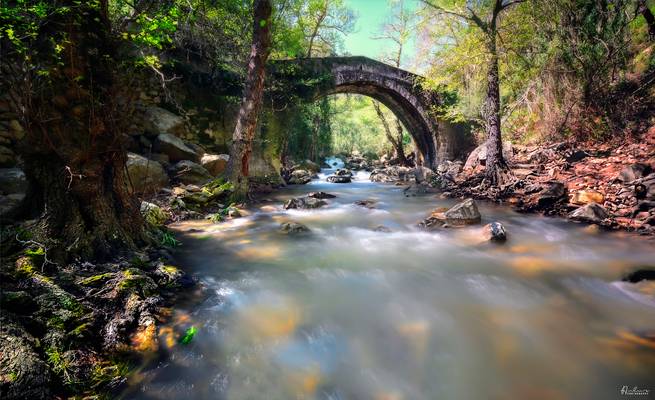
x=244 y=131
x=495 y=166
x=73 y=150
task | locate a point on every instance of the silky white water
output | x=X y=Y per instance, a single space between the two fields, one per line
x=347 y=312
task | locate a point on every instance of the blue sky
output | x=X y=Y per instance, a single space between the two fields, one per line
x=372 y=14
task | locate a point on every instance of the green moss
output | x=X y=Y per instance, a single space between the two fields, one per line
x=25 y=267
x=60 y=365
x=80 y=330
x=108 y=371
x=96 y=280
x=133 y=279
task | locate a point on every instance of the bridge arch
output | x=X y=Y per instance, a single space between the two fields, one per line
x=399 y=90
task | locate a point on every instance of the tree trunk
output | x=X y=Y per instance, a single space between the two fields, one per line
x=400 y=148
x=73 y=150
x=396 y=143
x=314 y=34
x=244 y=131
x=648 y=16
x=495 y=163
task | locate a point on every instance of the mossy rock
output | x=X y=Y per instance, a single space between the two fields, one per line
x=134 y=279
x=153 y=214
x=25 y=267
x=97 y=280
x=23 y=375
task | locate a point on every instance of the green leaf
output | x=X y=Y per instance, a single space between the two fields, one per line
x=188 y=335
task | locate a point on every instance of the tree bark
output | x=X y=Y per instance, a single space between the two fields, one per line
x=73 y=150
x=495 y=163
x=319 y=22
x=397 y=142
x=648 y=16
x=244 y=131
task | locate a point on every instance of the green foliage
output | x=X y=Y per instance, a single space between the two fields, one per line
x=168 y=240
x=188 y=335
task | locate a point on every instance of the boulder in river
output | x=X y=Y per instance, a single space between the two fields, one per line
x=304 y=203
x=339 y=179
x=189 y=172
x=464 y=213
x=591 y=212
x=145 y=175
x=299 y=177
x=494 y=232
x=174 y=148
x=321 y=195
x=292 y=228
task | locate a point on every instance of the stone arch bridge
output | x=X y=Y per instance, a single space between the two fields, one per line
x=401 y=91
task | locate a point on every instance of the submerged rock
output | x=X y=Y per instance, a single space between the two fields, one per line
x=591 y=212
x=368 y=203
x=293 y=228
x=382 y=228
x=304 y=203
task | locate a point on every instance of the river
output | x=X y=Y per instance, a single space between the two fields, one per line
x=348 y=312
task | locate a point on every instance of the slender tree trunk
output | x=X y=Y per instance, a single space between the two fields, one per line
x=400 y=147
x=495 y=163
x=396 y=142
x=315 y=31
x=73 y=150
x=244 y=131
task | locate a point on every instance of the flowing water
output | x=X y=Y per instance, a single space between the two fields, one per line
x=348 y=312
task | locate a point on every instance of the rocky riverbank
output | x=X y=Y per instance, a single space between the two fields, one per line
x=611 y=184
